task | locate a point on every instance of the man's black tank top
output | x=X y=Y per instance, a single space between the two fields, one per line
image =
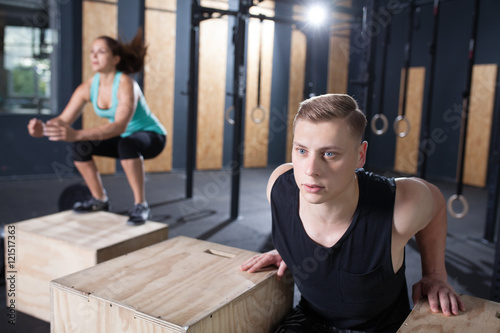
x=351 y=285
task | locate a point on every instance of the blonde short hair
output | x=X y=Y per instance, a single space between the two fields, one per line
x=331 y=107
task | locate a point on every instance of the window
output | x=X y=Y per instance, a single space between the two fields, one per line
x=26 y=58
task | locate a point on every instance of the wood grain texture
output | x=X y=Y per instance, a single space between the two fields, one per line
x=407 y=148
x=169 y=5
x=174 y=286
x=211 y=90
x=257 y=132
x=159 y=75
x=55 y=245
x=480 y=316
x=296 y=85
x=98 y=19
x=479 y=128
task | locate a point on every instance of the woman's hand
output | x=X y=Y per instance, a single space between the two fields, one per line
x=35 y=128
x=57 y=130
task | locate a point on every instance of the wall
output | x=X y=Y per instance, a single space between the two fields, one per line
x=38 y=157
x=449 y=83
x=266 y=143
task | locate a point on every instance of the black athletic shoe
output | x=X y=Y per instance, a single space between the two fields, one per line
x=138 y=214
x=90 y=205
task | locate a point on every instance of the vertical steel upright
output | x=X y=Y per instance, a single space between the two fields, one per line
x=495 y=281
x=239 y=89
x=192 y=126
x=493 y=187
x=430 y=90
x=368 y=58
x=199 y=13
x=366 y=63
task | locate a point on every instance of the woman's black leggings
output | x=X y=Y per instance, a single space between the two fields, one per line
x=145 y=144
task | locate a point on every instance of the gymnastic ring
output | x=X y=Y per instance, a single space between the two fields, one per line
x=252 y=114
x=465 y=205
x=228 y=111
x=396 y=126
x=385 y=124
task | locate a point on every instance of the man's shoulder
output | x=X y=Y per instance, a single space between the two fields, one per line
x=281 y=170
x=284 y=175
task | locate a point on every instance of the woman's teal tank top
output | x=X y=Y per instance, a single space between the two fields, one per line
x=143 y=119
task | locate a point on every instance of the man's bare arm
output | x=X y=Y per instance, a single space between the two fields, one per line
x=421 y=210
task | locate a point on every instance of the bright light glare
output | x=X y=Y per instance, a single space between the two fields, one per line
x=316 y=15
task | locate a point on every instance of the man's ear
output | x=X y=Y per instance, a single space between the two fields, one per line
x=362 y=154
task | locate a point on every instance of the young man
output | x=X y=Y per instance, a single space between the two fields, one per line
x=342 y=231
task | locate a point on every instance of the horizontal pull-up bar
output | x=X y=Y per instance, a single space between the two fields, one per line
x=201 y=13
x=417 y=3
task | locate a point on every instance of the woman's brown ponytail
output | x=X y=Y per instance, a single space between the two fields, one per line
x=131 y=54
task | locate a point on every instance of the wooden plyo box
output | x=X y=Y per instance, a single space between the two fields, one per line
x=480 y=316
x=45 y=248
x=179 y=285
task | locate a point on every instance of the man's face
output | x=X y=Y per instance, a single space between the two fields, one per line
x=325 y=156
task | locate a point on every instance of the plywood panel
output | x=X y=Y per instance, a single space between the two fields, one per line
x=256 y=119
x=298 y=13
x=169 y=5
x=85 y=313
x=480 y=121
x=480 y=316
x=296 y=86
x=218 y=4
x=407 y=148
x=159 y=76
x=211 y=90
x=98 y=19
x=338 y=63
x=179 y=285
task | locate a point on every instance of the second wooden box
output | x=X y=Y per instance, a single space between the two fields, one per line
x=179 y=285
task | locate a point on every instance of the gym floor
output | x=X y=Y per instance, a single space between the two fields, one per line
x=469 y=259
